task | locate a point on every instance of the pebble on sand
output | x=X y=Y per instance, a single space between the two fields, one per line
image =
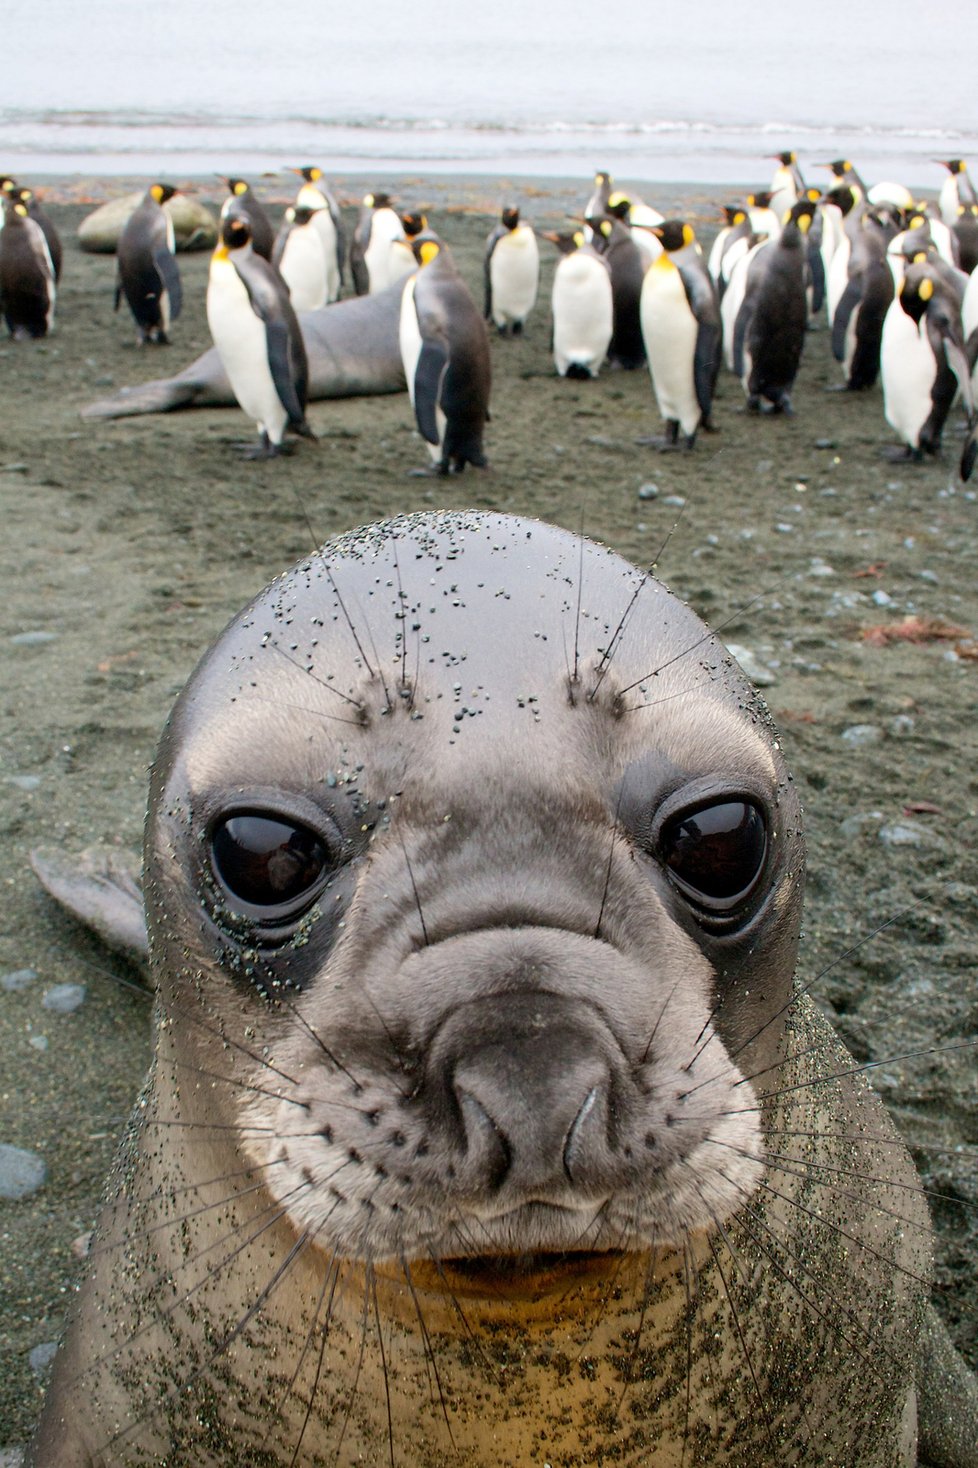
x=21 y=1172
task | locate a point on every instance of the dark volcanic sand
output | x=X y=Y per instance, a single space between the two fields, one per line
x=134 y=541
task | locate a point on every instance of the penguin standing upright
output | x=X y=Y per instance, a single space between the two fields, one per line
x=148 y=273
x=642 y=221
x=597 y=205
x=315 y=196
x=774 y=315
x=956 y=190
x=681 y=327
x=258 y=339
x=445 y=350
x=787 y=184
x=613 y=240
x=581 y=302
x=243 y=199
x=298 y=257
x=40 y=217
x=731 y=243
x=512 y=273
x=27 y=287
x=923 y=371
x=379 y=254
x=858 y=321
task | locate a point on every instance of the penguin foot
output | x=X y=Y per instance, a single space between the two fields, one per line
x=901 y=454
x=663 y=445
x=265 y=449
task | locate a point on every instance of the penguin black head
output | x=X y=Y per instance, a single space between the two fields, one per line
x=675 y=234
x=760 y=200
x=161 y=192
x=413 y=224
x=566 y=243
x=237 y=186
x=733 y=213
x=378 y=201
x=786 y=158
x=953 y=165
x=916 y=290
x=235 y=232
x=427 y=247
x=843 y=197
x=310 y=173
x=510 y=216
x=619 y=206
x=7 y=184
x=801 y=214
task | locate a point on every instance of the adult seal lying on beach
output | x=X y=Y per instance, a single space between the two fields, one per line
x=352 y=347
x=484 y=1124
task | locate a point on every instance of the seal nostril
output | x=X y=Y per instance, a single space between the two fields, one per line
x=586 y=1144
x=487 y=1147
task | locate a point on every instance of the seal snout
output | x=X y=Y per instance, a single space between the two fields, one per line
x=524 y=1086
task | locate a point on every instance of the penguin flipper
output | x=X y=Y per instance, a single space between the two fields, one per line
x=851 y=297
x=429 y=377
x=958 y=363
x=282 y=368
x=166 y=264
x=970 y=453
x=706 y=362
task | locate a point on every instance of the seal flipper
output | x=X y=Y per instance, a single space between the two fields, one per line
x=947 y=1401
x=429 y=378
x=102 y=888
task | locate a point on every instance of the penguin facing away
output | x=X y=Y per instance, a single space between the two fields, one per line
x=858 y=321
x=243 y=197
x=512 y=273
x=315 y=196
x=627 y=265
x=922 y=377
x=445 y=350
x=774 y=315
x=27 y=285
x=149 y=277
x=258 y=339
x=681 y=327
x=582 y=307
x=299 y=258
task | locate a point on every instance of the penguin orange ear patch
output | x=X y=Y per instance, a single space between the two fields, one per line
x=428 y=251
x=926 y=288
x=605 y=228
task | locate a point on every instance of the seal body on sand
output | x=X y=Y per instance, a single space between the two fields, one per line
x=352 y=348
x=483 y=1124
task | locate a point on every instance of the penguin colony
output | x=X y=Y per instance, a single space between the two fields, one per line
x=894 y=279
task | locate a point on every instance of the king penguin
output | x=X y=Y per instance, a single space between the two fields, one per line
x=445 y=351
x=681 y=327
x=243 y=199
x=787 y=184
x=957 y=189
x=315 y=196
x=512 y=273
x=379 y=253
x=148 y=273
x=627 y=265
x=27 y=287
x=258 y=339
x=581 y=302
x=40 y=217
x=771 y=324
x=923 y=371
x=298 y=257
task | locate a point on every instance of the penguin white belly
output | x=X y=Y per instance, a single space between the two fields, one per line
x=409 y=337
x=303 y=268
x=733 y=297
x=889 y=192
x=310 y=197
x=907 y=369
x=649 y=244
x=766 y=222
x=582 y=313
x=849 y=350
x=831 y=235
x=239 y=337
x=837 y=279
x=384 y=263
x=514 y=275
x=948 y=200
x=669 y=330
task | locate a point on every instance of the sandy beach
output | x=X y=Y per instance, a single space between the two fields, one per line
x=128 y=544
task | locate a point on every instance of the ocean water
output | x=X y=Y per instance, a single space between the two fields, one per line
x=649 y=91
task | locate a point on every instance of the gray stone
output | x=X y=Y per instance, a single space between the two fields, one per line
x=862 y=734
x=42 y=1356
x=21 y=1172
x=758 y=672
x=903 y=833
x=32 y=639
x=17 y=979
x=64 y=998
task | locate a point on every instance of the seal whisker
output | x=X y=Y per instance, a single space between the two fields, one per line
x=372 y=1292
x=868 y=1357
x=868 y=1065
x=838 y=1229
x=745 y=1351
x=307 y=672
x=104 y=1357
x=430 y=1356
x=930 y=1147
x=178 y=1388
x=319 y=1041
x=349 y=621
x=330 y=1280
x=615 y=826
x=708 y=636
x=238 y=1085
x=299 y=708
x=414 y=887
x=629 y=1372
x=773 y=1158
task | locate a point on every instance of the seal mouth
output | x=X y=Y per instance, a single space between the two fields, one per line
x=528 y=1275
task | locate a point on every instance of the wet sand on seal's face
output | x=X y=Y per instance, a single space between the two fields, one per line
x=134 y=541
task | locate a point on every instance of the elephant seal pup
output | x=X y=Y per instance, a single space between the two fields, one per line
x=483 y=1123
x=352 y=346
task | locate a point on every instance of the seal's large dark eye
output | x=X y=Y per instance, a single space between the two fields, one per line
x=716 y=854
x=266 y=862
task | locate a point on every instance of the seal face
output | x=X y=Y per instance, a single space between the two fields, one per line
x=473 y=886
